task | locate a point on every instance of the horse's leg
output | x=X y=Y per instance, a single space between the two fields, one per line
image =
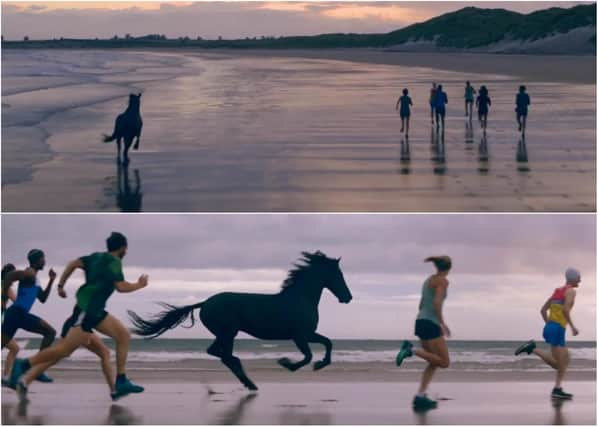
x=118 y=149
x=303 y=347
x=321 y=339
x=136 y=147
x=215 y=349
x=233 y=363
x=128 y=142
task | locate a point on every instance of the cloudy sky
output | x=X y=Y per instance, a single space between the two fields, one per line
x=42 y=20
x=505 y=266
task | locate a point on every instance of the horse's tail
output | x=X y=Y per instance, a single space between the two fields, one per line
x=108 y=138
x=168 y=319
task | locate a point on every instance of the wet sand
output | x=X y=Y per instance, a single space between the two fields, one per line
x=236 y=133
x=302 y=403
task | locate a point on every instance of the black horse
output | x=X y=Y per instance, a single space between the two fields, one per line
x=291 y=314
x=128 y=127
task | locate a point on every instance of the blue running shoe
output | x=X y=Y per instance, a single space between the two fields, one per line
x=404 y=353
x=125 y=387
x=423 y=403
x=18 y=369
x=6 y=383
x=43 y=378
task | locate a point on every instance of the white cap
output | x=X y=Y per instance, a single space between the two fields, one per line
x=572 y=275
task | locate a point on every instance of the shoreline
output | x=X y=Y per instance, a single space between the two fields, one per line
x=536 y=68
x=270 y=372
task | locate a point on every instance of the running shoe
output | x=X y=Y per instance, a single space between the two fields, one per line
x=558 y=393
x=404 y=353
x=43 y=378
x=528 y=347
x=22 y=392
x=18 y=369
x=126 y=386
x=6 y=383
x=422 y=403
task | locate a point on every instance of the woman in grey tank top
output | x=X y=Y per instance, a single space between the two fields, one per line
x=431 y=330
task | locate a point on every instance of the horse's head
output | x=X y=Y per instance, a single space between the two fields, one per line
x=134 y=101
x=334 y=279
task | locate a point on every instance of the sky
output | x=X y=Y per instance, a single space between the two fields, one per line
x=90 y=19
x=504 y=266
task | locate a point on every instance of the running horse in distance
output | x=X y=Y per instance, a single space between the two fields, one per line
x=127 y=127
x=291 y=314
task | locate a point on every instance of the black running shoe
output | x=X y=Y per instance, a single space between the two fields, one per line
x=558 y=393
x=528 y=347
x=423 y=403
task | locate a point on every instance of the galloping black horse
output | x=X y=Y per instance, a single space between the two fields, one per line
x=127 y=126
x=291 y=314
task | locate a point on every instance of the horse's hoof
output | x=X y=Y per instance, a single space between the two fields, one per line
x=285 y=362
x=320 y=364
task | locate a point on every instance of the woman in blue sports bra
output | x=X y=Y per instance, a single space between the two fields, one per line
x=18 y=315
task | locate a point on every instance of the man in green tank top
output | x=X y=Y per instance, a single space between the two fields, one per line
x=103 y=275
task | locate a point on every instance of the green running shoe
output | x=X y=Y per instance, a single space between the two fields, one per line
x=558 y=393
x=404 y=353
x=423 y=403
x=528 y=347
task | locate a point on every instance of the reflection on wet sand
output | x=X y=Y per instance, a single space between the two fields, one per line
x=468 y=135
x=405 y=157
x=120 y=415
x=522 y=160
x=420 y=416
x=128 y=199
x=558 y=419
x=234 y=414
x=438 y=152
x=296 y=417
x=484 y=156
x=17 y=414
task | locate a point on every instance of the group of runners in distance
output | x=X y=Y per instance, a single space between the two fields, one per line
x=103 y=275
x=439 y=99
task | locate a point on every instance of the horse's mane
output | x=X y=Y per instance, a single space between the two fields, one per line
x=304 y=266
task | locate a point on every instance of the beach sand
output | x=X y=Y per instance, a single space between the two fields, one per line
x=173 y=397
x=295 y=131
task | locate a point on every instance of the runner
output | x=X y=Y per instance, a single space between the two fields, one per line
x=103 y=274
x=18 y=315
x=522 y=101
x=440 y=102
x=469 y=97
x=405 y=103
x=432 y=102
x=431 y=330
x=556 y=313
x=12 y=346
x=483 y=103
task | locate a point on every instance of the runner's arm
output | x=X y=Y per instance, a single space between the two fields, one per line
x=568 y=306
x=397 y=106
x=10 y=278
x=68 y=271
x=125 y=287
x=440 y=285
x=544 y=309
x=43 y=295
